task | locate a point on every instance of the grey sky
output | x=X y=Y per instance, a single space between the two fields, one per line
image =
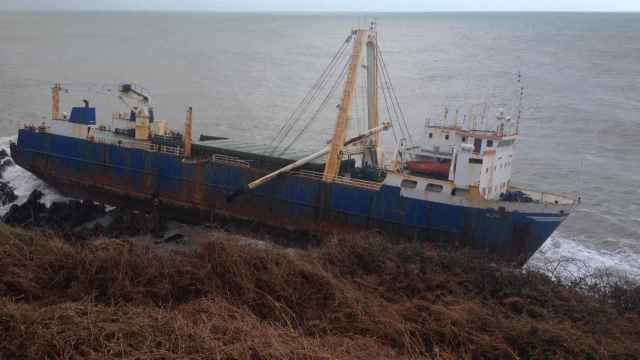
x=327 y=5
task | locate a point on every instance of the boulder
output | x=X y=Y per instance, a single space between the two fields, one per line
x=7 y=194
x=4 y=165
x=30 y=213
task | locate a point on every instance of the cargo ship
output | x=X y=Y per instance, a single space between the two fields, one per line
x=453 y=188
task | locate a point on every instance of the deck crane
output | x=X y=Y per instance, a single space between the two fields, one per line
x=128 y=93
x=256 y=183
x=368 y=142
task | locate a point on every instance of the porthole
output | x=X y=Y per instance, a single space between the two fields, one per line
x=408 y=184
x=433 y=188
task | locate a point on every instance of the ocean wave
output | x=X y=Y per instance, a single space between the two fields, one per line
x=564 y=258
x=23 y=182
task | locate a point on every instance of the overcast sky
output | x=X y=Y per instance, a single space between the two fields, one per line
x=326 y=5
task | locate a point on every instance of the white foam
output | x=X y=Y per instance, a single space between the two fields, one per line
x=565 y=258
x=24 y=182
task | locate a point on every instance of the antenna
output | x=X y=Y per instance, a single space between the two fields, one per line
x=483 y=116
x=446 y=115
x=456 y=120
x=519 y=115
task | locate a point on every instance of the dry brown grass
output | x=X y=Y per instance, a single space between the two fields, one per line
x=356 y=298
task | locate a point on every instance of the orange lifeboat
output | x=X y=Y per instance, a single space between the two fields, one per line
x=429 y=167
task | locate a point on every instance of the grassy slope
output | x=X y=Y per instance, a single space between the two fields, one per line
x=351 y=298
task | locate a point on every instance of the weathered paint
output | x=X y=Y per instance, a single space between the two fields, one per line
x=135 y=177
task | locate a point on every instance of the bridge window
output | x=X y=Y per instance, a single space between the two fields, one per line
x=434 y=188
x=408 y=184
x=446 y=137
x=489 y=143
x=430 y=135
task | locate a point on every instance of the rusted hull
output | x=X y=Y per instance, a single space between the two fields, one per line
x=134 y=178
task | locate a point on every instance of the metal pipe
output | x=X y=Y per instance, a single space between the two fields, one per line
x=187 y=133
x=55 y=102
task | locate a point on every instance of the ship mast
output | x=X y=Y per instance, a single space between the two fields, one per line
x=187 y=133
x=371 y=150
x=332 y=166
x=55 y=102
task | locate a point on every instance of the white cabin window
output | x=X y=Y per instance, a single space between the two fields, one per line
x=408 y=184
x=433 y=188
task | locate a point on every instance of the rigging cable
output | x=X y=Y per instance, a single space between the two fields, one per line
x=309 y=98
x=391 y=108
x=385 y=73
x=389 y=113
x=320 y=108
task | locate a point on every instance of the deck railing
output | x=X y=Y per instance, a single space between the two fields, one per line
x=220 y=159
x=547 y=197
x=364 y=184
x=147 y=146
x=229 y=160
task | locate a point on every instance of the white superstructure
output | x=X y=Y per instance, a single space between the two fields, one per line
x=475 y=158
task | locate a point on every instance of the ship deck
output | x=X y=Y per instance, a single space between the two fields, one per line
x=260 y=155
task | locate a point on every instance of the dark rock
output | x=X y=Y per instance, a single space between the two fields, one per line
x=130 y=223
x=4 y=165
x=177 y=238
x=73 y=213
x=70 y=217
x=7 y=194
x=61 y=216
x=3 y=154
x=28 y=214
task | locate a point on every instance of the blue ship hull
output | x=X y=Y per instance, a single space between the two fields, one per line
x=116 y=175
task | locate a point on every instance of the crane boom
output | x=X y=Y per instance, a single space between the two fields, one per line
x=254 y=184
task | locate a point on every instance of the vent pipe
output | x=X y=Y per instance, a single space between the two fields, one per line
x=187 y=133
x=55 y=102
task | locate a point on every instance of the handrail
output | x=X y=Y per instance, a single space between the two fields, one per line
x=546 y=197
x=370 y=185
x=172 y=150
x=229 y=160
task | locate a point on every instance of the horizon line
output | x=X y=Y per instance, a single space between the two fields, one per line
x=326 y=11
